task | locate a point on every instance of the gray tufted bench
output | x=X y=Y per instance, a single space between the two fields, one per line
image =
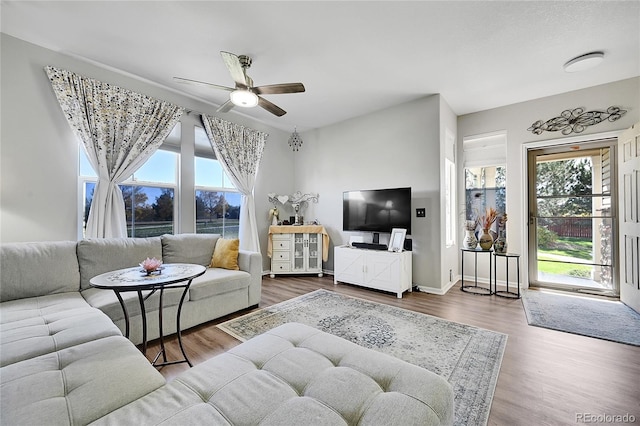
x=296 y=375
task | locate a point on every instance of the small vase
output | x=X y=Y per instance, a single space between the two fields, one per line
x=500 y=244
x=470 y=241
x=274 y=220
x=486 y=240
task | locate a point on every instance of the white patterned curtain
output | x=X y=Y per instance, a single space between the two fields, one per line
x=239 y=150
x=120 y=130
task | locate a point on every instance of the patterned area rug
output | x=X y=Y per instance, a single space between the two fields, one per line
x=468 y=357
x=587 y=316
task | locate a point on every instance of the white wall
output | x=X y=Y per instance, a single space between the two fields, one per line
x=39 y=153
x=515 y=119
x=395 y=147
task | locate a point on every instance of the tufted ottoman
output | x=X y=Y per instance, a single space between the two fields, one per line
x=296 y=375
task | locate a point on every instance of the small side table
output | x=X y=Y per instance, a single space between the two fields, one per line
x=173 y=275
x=476 y=289
x=506 y=257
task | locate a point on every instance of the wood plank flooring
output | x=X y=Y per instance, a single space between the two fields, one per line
x=547 y=377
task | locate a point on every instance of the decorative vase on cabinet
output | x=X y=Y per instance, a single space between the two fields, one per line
x=500 y=244
x=470 y=241
x=486 y=240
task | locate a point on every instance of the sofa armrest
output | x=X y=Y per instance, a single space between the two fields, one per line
x=251 y=262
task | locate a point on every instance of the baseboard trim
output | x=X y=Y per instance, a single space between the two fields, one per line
x=324 y=272
x=439 y=291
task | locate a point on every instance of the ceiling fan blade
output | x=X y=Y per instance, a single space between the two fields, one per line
x=273 y=89
x=226 y=107
x=203 y=83
x=235 y=68
x=271 y=107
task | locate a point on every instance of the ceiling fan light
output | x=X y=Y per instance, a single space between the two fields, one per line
x=584 y=62
x=244 y=98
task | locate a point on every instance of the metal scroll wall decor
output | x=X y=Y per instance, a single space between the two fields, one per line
x=576 y=120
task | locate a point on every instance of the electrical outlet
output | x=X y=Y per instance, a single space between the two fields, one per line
x=421 y=213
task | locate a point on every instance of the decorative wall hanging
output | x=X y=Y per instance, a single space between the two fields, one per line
x=295 y=141
x=576 y=120
x=298 y=200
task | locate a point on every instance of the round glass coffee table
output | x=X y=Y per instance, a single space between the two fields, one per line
x=172 y=275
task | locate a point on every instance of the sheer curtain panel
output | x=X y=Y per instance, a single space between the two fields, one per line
x=239 y=150
x=120 y=130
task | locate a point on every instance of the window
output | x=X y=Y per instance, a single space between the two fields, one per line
x=217 y=200
x=450 y=202
x=153 y=196
x=149 y=194
x=485 y=176
x=485 y=187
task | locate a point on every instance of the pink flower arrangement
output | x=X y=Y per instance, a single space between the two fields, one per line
x=151 y=265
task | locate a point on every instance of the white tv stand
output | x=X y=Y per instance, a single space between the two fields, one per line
x=381 y=270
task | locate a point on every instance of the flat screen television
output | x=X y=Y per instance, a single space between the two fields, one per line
x=377 y=210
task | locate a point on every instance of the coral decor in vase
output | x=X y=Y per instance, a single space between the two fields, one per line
x=152 y=265
x=486 y=240
x=470 y=241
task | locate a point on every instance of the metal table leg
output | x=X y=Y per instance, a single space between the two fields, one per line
x=476 y=289
x=508 y=293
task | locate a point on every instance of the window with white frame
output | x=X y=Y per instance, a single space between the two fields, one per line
x=485 y=174
x=450 y=202
x=217 y=200
x=485 y=187
x=149 y=194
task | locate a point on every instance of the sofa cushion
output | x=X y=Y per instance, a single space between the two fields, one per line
x=34 y=307
x=99 y=255
x=218 y=281
x=225 y=254
x=35 y=336
x=107 y=302
x=188 y=248
x=38 y=269
x=296 y=375
x=77 y=385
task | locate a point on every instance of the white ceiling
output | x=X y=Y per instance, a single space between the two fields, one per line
x=353 y=57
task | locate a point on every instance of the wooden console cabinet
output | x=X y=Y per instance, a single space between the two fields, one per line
x=296 y=252
x=381 y=270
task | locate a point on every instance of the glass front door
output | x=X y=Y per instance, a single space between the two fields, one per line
x=572 y=226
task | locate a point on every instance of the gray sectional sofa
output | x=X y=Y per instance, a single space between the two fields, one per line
x=216 y=293
x=64 y=361
x=296 y=375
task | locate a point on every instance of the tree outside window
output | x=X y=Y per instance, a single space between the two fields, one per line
x=217 y=201
x=148 y=195
x=148 y=210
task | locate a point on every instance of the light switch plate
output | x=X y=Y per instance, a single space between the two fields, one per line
x=420 y=213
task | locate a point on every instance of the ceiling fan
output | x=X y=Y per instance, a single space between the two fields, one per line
x=245 y=94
